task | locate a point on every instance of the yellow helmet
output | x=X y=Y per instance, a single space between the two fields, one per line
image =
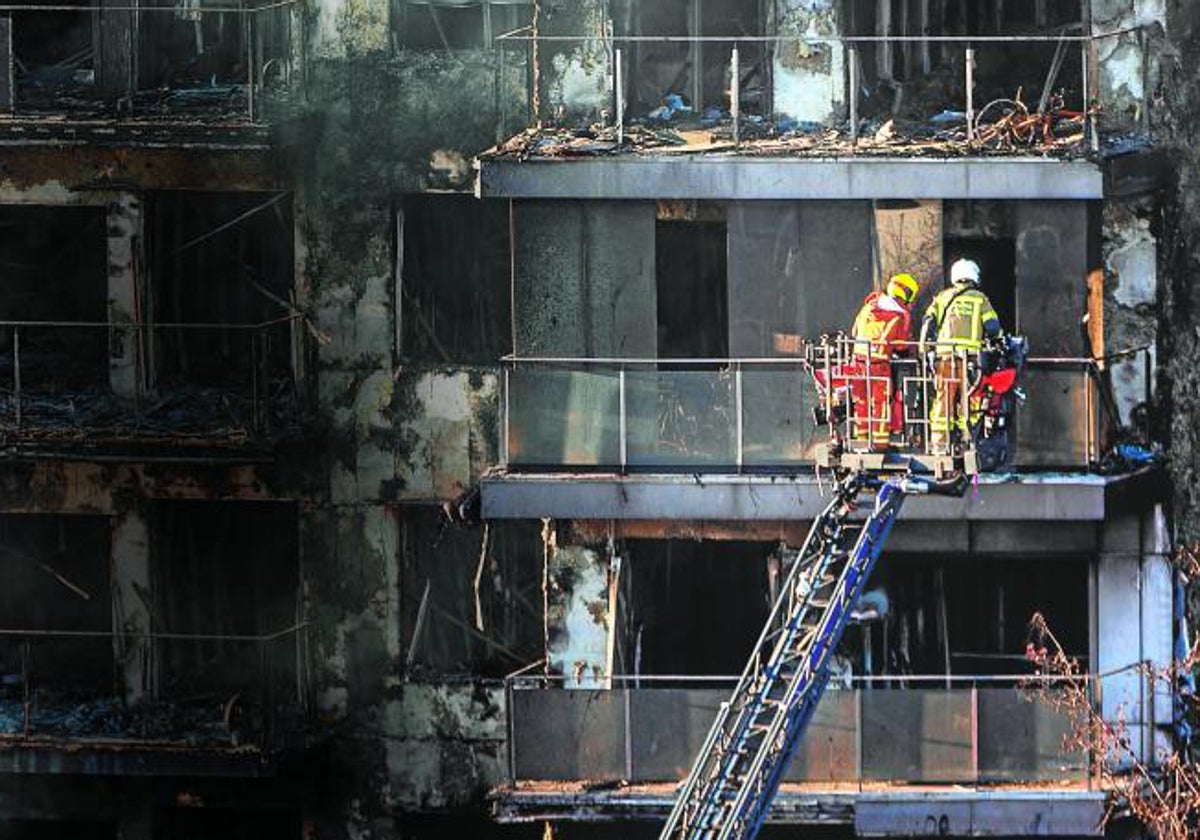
x=903 y=287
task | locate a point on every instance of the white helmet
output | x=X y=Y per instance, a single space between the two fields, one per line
x=965 y=271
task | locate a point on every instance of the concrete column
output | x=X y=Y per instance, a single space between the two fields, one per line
x=131 y=594
x=1133 y=626
x=125 y=225
x=137 y=823
x=809 y=76
x=1126 y=67
x=114 y=40
x=581 y=607
x=575 y=77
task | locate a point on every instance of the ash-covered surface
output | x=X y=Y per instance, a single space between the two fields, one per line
x=193 y=724
x=191 y=414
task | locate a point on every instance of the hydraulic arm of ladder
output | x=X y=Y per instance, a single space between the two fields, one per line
x=735 y=777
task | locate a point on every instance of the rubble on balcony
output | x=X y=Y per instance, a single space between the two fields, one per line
x=1004 y=127
x=213 y=721
x=193 y=415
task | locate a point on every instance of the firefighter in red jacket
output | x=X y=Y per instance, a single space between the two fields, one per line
x=882 y=327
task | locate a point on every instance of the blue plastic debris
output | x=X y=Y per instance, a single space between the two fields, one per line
x=672 y=105
x=949 y=118
x=1137 y=456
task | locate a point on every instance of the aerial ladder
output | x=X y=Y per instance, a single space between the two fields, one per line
x=737 y=773
x=735 y=777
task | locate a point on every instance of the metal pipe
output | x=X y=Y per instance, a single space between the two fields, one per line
x=853 y=94
x=970 y=93
x=504 y=454
x=735 y=95
x=738 y=410
x=622 y=430
x=17 y=374
x=620 y=95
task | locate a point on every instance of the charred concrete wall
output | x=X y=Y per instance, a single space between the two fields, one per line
x=1177 y=125
x=380 y=121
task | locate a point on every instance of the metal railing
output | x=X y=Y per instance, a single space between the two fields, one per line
x=266 y=57
x=1085 y=110
x=755 y=414
x=120 y=380
x=65 y=686
x=967 y=730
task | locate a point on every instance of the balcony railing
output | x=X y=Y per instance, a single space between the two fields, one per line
x=962 y=730
x=208 y=690
x=181 y=383
x=746 y=415
x=207 y=62
x=1029 y=107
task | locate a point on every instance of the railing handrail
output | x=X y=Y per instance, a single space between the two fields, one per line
x=781 y=361
x=211 y=10
x=521 y=681
x=525 y=33
x=153 y=325
x=152 y=635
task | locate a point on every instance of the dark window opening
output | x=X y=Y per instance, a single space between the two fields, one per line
x=57 y=830
x=997 y=260
x=188 y=49
x=52 y=55
x=225 y=569
x=968 y=616
x=54 y=261
x=912 y=81
x=226 y=824
x=691 y=265
x=439 y=565
x=220 y=259
x=692 y=608
x=699 y=73
x=55 y=573
x=455 y=296
x=457 y=24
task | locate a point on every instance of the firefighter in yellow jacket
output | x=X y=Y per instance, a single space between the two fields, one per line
x=959 y=320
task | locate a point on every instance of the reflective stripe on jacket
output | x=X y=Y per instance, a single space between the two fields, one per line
x=881 y=321
x=963 y=319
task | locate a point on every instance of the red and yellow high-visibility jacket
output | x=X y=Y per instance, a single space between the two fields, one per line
x=881 y=321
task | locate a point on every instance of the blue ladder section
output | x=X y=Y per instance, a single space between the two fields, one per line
x=729 y=790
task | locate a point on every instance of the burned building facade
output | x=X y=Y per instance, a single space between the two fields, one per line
x=294 y=314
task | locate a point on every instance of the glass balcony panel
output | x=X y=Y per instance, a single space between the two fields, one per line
x=919 y=735
x=681 y=418
x=777 y=417
x=564 y=418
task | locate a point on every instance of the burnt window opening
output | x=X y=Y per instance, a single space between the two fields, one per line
x=454 y=286
x=455 y=25
x=912 y=81
x=967 y=616
x=691 y=267
x=57 y=830
x=227 y=824
x=997 y=260
x=54 y=263
x=692 y=608
x=699 y=73
x=52 y=55
x=186 y=48
x=439 y=563
x=55 y=578
x=225 y=569
x=220 y=259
